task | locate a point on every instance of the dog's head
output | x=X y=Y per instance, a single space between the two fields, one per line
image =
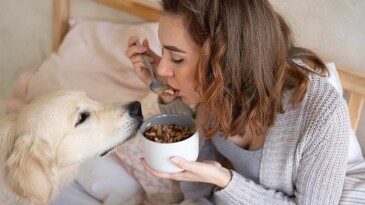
x=63 y=129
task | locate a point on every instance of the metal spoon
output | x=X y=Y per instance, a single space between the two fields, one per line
x=156 y=85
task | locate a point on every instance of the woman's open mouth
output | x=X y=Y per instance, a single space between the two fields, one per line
x=173 y=90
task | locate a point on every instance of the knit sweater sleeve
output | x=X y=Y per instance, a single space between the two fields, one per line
x=320 y=172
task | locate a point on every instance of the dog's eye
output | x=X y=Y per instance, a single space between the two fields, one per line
x=83 y=116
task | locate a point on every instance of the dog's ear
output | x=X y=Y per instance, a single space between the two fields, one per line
x=29 y=169
x=7 y=129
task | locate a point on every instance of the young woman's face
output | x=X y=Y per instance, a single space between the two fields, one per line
x=180 y=56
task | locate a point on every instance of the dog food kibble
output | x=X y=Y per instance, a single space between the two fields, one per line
x=167 y=133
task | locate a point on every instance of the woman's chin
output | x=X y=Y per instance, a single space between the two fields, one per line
x=189 y=101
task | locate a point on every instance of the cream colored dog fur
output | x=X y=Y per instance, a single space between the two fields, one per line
x=42 y=146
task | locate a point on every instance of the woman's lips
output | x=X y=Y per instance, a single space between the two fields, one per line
x=176 y=91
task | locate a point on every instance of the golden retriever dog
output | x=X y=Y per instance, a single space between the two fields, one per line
x=42 y=146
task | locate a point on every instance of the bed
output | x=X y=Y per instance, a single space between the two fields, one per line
x=353 y=82
x=89 y=55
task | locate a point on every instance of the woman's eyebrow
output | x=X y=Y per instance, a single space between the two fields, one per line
x=175 y=49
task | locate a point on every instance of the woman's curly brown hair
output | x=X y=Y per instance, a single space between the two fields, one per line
x=245 y=64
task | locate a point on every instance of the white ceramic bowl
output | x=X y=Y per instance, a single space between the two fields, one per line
x=157 y=155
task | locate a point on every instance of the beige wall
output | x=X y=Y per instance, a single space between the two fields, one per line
x=335 y=29
x=25 y=39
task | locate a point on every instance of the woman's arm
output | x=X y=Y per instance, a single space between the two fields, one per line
x=319 y=177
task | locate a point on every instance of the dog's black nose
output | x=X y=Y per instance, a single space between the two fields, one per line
x=135 y=110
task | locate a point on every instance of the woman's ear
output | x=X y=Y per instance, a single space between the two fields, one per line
x=29 y=170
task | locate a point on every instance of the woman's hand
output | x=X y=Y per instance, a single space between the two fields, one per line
x=207 y=171
x=133 y=52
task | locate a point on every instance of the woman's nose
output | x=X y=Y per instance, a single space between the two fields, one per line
x=164 y=70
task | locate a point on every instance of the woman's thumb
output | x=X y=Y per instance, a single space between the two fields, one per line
x=145 y=42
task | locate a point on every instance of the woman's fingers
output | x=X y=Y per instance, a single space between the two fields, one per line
x=180 y=162
x=207 y=172
x=215 y=163
x=134 y=50
x=145 y=43
x=132 y=40
x=133 y=53
x=179 y=176
x=154 y=172
x=196 y=167
x=137 y=59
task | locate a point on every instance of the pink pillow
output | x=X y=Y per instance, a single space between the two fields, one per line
x=92 y=59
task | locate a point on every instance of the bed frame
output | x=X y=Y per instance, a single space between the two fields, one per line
x=353 y=83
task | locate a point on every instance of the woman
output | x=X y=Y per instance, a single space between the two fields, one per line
x=261 y=102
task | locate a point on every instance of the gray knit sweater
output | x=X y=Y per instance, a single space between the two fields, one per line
x=303 y=158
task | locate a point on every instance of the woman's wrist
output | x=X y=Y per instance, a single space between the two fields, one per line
x=225 y=179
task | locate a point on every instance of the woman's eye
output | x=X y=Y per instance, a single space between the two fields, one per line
x=82 y=117
x=177 y=61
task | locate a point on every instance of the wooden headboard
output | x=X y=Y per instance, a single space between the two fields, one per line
x=352 y=82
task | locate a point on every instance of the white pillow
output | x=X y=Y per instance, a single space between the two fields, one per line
x=106 y=180
x=92 y=58
x=334 y=78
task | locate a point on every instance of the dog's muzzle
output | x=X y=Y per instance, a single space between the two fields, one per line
x=135 y=111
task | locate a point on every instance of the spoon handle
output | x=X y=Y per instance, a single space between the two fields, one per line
x=146 y=62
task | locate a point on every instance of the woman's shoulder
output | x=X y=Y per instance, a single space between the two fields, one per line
x=324 y=115
x=323 y=101
x=322 y=93
x=320 y=90
x=321 y=96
